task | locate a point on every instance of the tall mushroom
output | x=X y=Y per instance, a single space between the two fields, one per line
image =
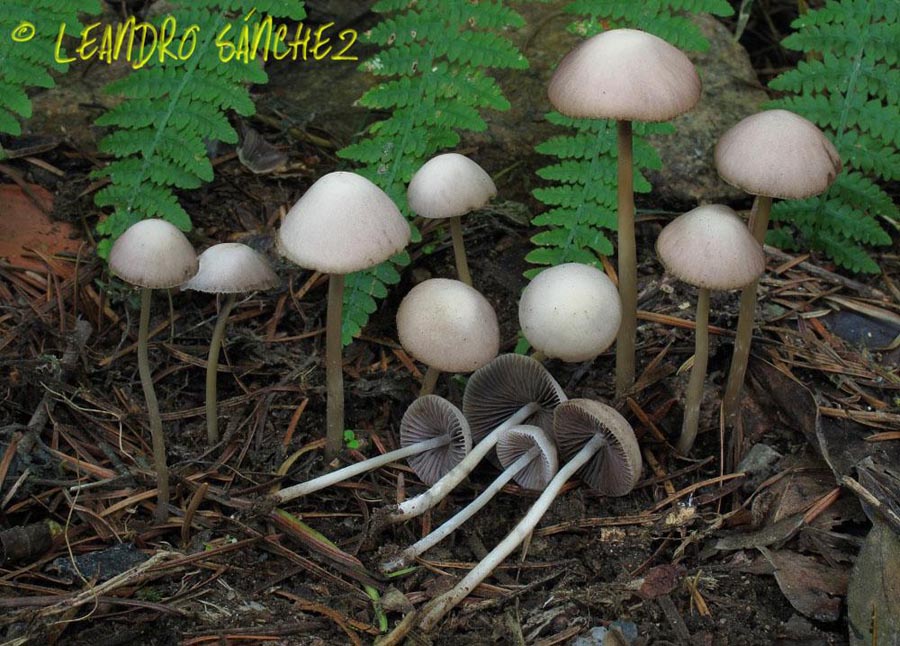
x=627 y=75
x=710 y=248
x=434 y=435
x=342 y=224
x=571 y=312
x=153 y=254
x=449 y=326
x=774 y=153
x=528 y=456
x=449 y=186
x=596 y=440
x=227 y=268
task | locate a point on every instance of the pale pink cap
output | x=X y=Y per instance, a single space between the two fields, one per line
x=625 y=74
x=449 y=185
x=153 y=253
x=777 y=153
x=342 y=224
x=231 y=268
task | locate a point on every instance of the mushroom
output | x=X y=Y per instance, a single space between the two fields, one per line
x=710 y=248
x=153 y=254
x=596 y=440
x=571 y=312
x=449 y=326
x=228 y=268
x=342 y=224
x=774 y=153
x=434 y=435
x=449 y=186
x=627 y=75
x=528 y=456
x=510 y=390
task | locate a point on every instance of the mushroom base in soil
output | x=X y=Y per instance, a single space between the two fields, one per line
x=528 y=456
x=227 y=268
x=596 y=440
x=434 y=435
x=153 y=254
x=344 y=223
x=710 y=248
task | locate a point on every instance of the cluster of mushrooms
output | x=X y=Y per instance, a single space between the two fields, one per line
x=513 y=409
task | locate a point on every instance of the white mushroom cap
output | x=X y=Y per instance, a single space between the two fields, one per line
x=448 y=325
x=711 y=247
x=625 y=74
x=571 y=312
x=449 y=185
x=153 y=253
x=230 y=268
x=778 y=154
x=342 y=224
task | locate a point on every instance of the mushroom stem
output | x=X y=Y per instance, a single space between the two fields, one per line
x=627 y=261
x=429 y=381
x=435 y=610
x=759 y=223
x=316 y=484
x=439 y=490
x=161 y=513
x=334 y=378
x=424 y=544
x=212 y=366
x=459 y=251
x=698 y=375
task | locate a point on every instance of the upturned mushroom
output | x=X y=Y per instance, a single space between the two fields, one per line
x=770 y=154
x=342 y=224
x=229 y=268
x=528 y=456
x=627 y=75
x=449 y=326
x=709 y=248
x=153 y=254
x=571 y=312
x=434 y=435
x=510 y=390
x=450 y=186
x=600 y=445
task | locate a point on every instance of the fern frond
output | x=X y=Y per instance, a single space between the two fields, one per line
x=848 y=85
x=27 y=64
x=583 y=193
x=159 y=131
x=435 y=56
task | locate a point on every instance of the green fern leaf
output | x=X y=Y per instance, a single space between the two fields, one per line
x=169 y=111
x=436 y=55
x=26 y=60
x=848 y=86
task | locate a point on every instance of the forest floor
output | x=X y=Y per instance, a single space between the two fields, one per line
x=699 y=553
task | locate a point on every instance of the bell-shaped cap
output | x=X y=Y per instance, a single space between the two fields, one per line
x=515 y=442
x=429 y=417
x=571 y=312
x=449 y=185
x=342 y=224
x=448 y=325
x=711 y=247
x=615 y=469
x=153 y=253
x=499 y=389
x=777 y=153
x=232 y=268
x=625 y=74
